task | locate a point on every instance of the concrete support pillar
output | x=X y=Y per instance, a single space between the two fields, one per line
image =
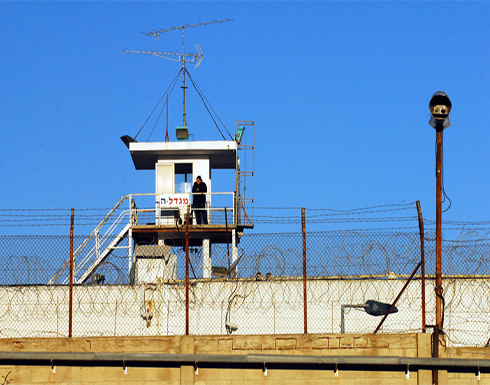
x=130 y=249
x=424 y=349
x=206 y=258
x=443 y=378
x=234 y=251
x=187 y=373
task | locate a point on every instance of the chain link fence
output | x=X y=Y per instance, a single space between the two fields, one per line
x=345 y=269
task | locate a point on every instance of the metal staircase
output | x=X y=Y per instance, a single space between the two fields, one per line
x=87 y=261
x=102 y=256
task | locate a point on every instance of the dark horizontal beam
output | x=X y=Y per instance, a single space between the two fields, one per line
x=250 y=361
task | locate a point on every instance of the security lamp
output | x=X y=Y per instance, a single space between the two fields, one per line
x=377 y=308
x=374 y=308
x=440 y=107
x=127 y=139
x=238 y=136
x=182 y=133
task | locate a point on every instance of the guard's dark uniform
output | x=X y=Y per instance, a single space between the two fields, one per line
x=199 y=203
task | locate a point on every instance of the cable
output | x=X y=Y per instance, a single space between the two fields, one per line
x=161 y=111
x=146 y=121
x=212 y=109
x=443 y=304
x=202 y=98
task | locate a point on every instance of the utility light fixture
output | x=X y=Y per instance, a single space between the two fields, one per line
x=374 y=308
x=127 y=139
x=440 y=107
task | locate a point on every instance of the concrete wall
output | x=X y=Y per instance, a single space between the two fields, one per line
x=255 y=307
x=406 y=345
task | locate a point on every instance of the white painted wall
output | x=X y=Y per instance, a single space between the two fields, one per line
x=256 y=307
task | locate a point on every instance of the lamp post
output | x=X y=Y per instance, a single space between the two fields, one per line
x=439 y=107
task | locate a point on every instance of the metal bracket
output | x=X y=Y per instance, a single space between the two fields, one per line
x=265 y=369
x=196 y=369
x=336 y=371
x=407 y=372
x=53 y=366
x=478 y=374
x=125 y=368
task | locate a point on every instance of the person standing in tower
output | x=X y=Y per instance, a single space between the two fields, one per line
x=199 y=201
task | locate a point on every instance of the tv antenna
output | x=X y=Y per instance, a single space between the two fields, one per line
x=179 y=56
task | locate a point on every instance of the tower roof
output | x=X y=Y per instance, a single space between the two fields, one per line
x=221 y=154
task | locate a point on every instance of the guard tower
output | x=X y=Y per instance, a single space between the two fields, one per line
x=177 y=165
x=157 y=222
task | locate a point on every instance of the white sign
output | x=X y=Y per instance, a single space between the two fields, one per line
x=174 y=200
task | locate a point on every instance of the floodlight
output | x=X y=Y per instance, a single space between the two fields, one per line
x=182 y=133
x=127 y=139
x=238 y=136
x=234 y=264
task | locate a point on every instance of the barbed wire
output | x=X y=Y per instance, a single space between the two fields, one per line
x=343 y=267
x=58 y=217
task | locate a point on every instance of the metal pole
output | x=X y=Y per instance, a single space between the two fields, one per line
x=438 y=289
x=227 y=243
x=70 y=311
x=183 y=77
x=397 y=298
x=166 y=133
x=422 y=261
x=187 y=271
x=305 y=304
x=325 y=363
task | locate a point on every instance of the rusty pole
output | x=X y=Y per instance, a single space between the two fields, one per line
x=70 y=311
x=305 y=303
x=438 y=325
x=440 y=106
x=187 y=270
x=422 y=261
x=396 y=299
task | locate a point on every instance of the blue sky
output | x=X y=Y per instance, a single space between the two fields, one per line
x=339 y=93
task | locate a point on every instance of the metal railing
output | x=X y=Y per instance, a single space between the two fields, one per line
x=100 y=241
x=170 y=208
x=159 y=209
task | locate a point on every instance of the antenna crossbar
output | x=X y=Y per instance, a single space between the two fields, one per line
x=173 y=56
x=157 y=33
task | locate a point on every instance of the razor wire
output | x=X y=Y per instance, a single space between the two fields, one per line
x=343 y=268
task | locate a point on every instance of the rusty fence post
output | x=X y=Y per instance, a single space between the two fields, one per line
x=70 y=310
x=422 y=261
x=305 y=303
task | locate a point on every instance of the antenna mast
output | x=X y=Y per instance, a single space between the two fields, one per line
x=179 y=57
